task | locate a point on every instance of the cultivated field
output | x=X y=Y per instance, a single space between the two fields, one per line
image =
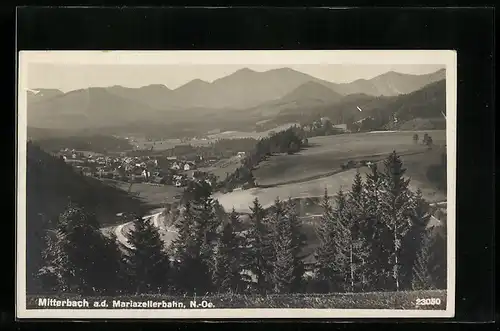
x=153 y=195
x=254 y=134
x=316 y=168
x=141 y=143
x=327 y=153
x=223 y=167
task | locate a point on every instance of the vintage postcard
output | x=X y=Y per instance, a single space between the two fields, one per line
x=236 y=184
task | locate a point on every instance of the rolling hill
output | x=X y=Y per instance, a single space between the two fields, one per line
x=37 y=95
x=426 y=103
x=390 y=84
x=50 y=186
x=88 y=108
x=155 y=95
x=303 y=98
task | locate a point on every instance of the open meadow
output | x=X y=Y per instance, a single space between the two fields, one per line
x=309 y=172
x=223 y=167
x=141 y=143
x=151 y=194
x=327 y=153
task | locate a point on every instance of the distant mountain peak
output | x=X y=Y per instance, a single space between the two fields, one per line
x=156 y=86
x=47 y=90
x=285 y=69
x=238 y=74
x=195 y=82
x=245 y=71
x=312 y=90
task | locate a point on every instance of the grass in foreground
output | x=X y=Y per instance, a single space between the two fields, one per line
x=373 y=300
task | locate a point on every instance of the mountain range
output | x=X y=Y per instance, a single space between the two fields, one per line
x=259 y=94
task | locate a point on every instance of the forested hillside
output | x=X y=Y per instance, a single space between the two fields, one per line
x=51 y=186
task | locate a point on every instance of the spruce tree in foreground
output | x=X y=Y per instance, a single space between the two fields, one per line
x=298 y=243
x=192 y=274
x=412 y=242
x=377 y=234
x=283 y=274
x=325 y=253
x=147 y=259
x=422 y=279
x=48 y=276
x=342 y=243
x=438 y=260
x=194 y=246
x=359 y=249
x=395 y=208
x=227 y=273
x=259 y=257
x=276 y=215
x=81 y=258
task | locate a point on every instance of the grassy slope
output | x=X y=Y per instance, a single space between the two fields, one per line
x=51 y=185
x=328 y=153
x=310 y=172
x=151 y=195
x=374 y=300
x=428 y=102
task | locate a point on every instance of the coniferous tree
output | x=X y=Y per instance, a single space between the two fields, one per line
x=298 y=243
x=438 y=260
x=325 y=253
x=49 y=276
x=395 y=207
x=342 y=242
x=228 y=268
x=411 y=243
x=283 y=273
x=359 y=249
x=259 y=257
x=377 y=234
x=276 y=214
x=422 y=279
x=125 y=283
x=147 y=259
x=81 y=257
x=185 y=250
x=195 y=244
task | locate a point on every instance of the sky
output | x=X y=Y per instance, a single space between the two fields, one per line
x=68 y=77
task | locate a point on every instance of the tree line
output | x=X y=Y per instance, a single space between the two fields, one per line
x=289 y=141
x=373 y=237
x=377 y=237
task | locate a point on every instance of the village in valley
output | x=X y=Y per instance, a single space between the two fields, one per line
x=134 y=169
x=164 y=167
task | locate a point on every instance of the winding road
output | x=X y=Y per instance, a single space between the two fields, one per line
x=155 y=218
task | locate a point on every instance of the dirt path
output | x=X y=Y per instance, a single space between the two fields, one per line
x=155 y=218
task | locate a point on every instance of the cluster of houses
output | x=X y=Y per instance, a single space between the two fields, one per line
x=166 y=170
x=322 y=123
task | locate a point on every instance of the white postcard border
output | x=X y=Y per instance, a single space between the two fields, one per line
x=283 y=57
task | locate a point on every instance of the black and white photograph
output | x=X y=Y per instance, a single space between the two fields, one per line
x=236 y=184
